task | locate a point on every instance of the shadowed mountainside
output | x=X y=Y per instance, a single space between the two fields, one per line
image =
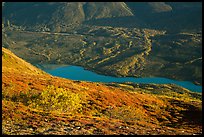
x=61 y=15
x=65 y=16
x=171 y=16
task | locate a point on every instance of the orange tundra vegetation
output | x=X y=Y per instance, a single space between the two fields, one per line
x=34 y=102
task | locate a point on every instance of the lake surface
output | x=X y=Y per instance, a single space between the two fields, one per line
x=79 y=73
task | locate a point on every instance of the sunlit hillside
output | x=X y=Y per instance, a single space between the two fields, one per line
x=34 y=102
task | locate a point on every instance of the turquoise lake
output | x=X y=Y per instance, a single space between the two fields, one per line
x=79 y=73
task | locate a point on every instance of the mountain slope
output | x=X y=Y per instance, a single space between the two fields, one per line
x=149 y=7
x=171 y=16
x=114 y=51
x=61 y=15
x=119 y=39
x=96 y=10
x=37 y=103
x=15 y=64
x=65 y=16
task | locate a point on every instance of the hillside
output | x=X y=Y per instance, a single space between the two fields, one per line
x=12 y=63
x=171 y=16
x=114 y=51
x=60 y=16
x=66 y=16
x=34 y=102
x=134 y=39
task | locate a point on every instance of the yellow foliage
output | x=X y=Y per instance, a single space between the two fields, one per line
x=57 y=99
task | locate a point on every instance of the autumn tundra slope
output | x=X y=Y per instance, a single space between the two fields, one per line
x=34 y=102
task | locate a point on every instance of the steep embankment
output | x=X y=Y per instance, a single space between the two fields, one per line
x=36 y=103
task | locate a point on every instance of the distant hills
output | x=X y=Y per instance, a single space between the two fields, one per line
x=149 y=7
x=171 y=16
x=62 y=16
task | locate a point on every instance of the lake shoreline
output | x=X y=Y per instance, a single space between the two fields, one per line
x=83 y=74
